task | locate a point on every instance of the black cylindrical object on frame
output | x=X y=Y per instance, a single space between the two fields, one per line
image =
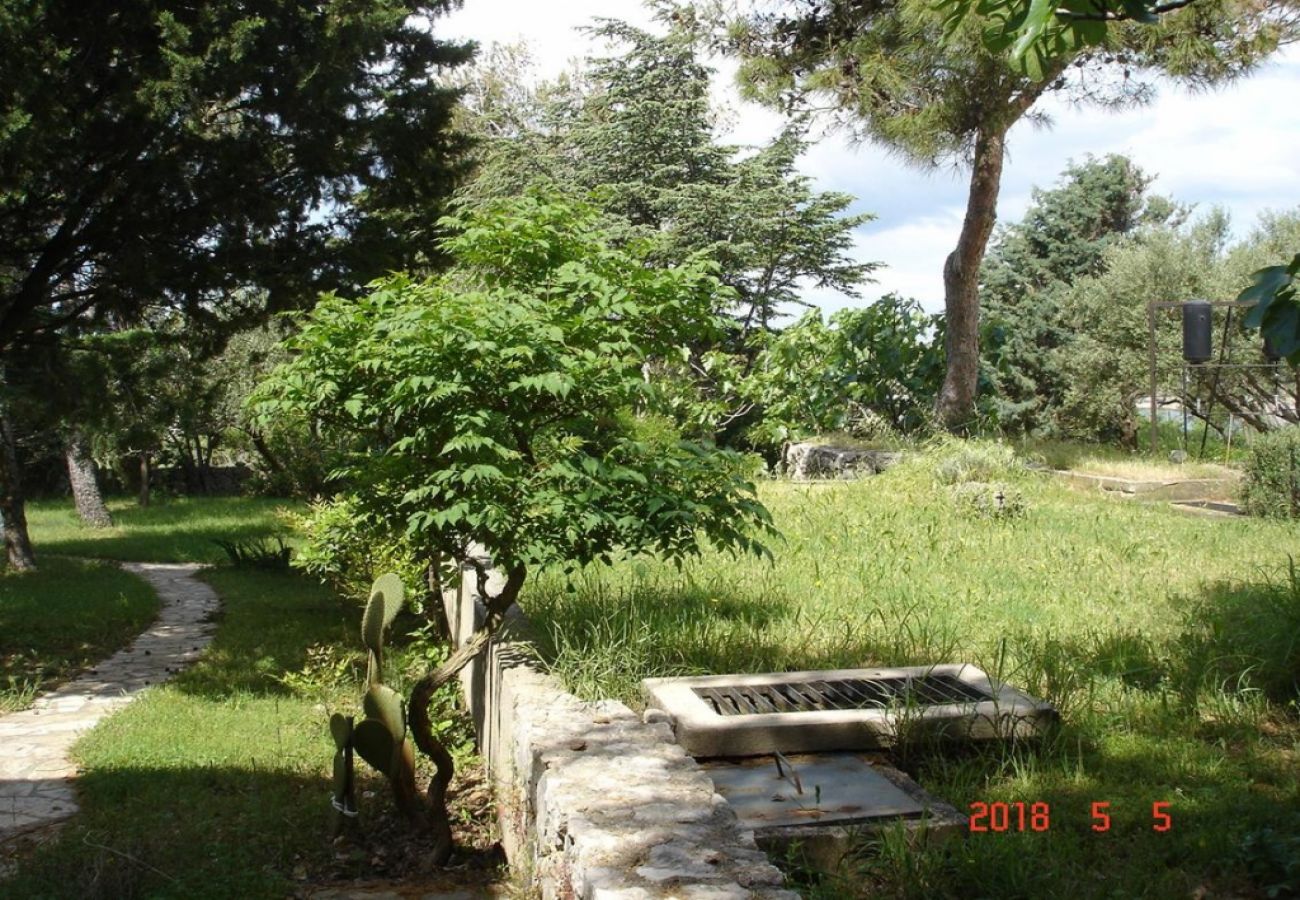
x=1198 y=339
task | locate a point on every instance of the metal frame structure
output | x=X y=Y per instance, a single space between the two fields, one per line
x=1152 y=307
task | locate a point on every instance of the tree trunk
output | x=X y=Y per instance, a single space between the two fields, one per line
x=144 y=478
x=956 y=403
x=264 y=451
x=18 y=546
x=85 y=488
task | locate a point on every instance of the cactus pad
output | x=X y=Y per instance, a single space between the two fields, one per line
x=394 y=593
x=386 y=597
x=373 y=741
x=341 y=729
x=385 y=704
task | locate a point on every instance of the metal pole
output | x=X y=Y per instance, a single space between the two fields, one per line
x=1183 y=404
x=1151 y=347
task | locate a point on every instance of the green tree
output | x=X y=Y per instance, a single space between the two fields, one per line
x=166 y=154
x=867 y=371
x=1034 y=32
x=638 y=134
x=496 y=407
x=1062 y=238
x=927 y=86
x=1106 y=367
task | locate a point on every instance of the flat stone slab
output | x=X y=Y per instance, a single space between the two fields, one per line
x=36 y=775
x=1219 y=508
x=820 y=805
x=825 y=788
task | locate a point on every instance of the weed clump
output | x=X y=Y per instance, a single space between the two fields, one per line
x=962 y=461
x=989 y=500
x=1272 y=484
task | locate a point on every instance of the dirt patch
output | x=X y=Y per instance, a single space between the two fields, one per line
x=383 y=858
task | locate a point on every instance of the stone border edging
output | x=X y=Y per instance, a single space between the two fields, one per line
x=1151 y=488
x=594 y=803
x=36 y=775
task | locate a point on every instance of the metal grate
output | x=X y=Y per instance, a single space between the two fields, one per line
x=854 y=693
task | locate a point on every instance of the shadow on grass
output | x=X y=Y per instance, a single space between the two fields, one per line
x=210 y=832
x=220 y=832
x=1246 y=636
x=1233 y=829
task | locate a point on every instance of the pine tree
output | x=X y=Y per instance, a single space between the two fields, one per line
x=907 y=75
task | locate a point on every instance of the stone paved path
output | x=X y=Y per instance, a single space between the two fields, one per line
x=35 y=773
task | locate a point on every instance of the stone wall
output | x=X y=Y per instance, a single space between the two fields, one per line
x=593 y=802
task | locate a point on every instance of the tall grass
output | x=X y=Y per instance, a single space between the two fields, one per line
x=1167 y=642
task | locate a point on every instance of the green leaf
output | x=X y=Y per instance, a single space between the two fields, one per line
x=1038 y=16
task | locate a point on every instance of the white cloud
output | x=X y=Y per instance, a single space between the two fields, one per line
x=550 y=29
x=1234 y=147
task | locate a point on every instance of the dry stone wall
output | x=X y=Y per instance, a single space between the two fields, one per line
x=593 y=802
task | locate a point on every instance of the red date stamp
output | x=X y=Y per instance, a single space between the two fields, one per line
x=1002 y=817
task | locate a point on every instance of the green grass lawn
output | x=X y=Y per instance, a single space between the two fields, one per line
x=1170 y=644
x=217 y=784
x=63 y=617
x=171 y=530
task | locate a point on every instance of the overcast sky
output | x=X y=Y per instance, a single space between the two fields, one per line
x=1236 y=147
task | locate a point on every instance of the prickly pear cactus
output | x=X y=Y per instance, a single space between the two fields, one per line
x=381 y=737
x=386 y=596
x=375 y=744
x=385 y=704
x=344 y=799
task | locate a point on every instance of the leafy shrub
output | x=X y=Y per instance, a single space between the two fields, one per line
x=1272 y=856
x=501 y=406
x=870 y=372
x=1272 y=483
x=260 y=553
x=290 y=461
x=989 y=500
x=348 y=549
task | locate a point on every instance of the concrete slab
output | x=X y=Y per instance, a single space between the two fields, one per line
x=1175 y=489
x=861 y=795
x=826 y=788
